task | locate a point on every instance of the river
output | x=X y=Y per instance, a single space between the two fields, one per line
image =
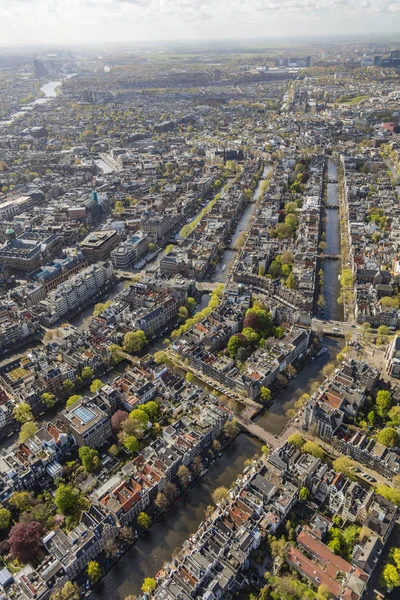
x=147 y=556
x=221 y=270
x=332 y=309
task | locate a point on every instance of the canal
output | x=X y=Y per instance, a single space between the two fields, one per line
x=148 y=555
x=222 y=270
x=333 y=310
x=274 y=419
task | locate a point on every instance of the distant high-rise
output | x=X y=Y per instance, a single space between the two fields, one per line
x=39 y=68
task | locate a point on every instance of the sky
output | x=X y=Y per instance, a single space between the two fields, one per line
x=68 y=21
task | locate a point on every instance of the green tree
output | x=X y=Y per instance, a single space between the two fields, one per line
x=383 y=402
x=23 y=412
x=389 y=493
x=72 y=400
x=191 y=305
x=87 y=373
x=5 y=518
x=251 y=336
x=183 y=313
x=119 y=207
x=290 y=282
x=371 y=418
x=131 y=443
x=151 y=408
x=388 y=437
x=49 y=399
x=235 y=342
x=265 y=394
x=313 y=449
x=22 y=501
x=68 y=386
x=134 y=341
x=96 y=385
x=66 y=498
x=69 y=591
x=394 y=416
x=93 y=570
x=89 y=458
x=144 y=521
x=304 y=494
x=149 y=585
x=296 y=440
x=28 y=430
x=390 y=577
x=383 y=330
x=344 y=465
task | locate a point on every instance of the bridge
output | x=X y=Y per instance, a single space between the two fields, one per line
x=332 y=180
x=330 y=256
x=258 y=432
x=341 y=327
x=332 y=206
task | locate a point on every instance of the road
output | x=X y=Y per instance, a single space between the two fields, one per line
x=328 y=327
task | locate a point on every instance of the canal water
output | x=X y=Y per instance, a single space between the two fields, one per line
x=148 y=555
x=332 y=309
x=221 y=270
x=274 y=419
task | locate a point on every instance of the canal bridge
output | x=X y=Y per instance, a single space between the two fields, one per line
x=332 y=180
x=335 y=328
x=256 y=431
x=332 y=206
x=330 y=256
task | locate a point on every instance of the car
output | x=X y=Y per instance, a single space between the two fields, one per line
x=357 y=470
x=372 y=479
x=364 y=475
x=354 y=326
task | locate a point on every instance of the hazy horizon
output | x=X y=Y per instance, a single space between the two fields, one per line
x=46 y=22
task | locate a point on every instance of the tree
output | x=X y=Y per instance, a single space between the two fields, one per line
x=25 y=540
x=296 y=440
x=21 y=500
x=183 y=313
x=390 y=576
x=191 y=305
x=151 y=408
x=259 y=320
x=290 y=282
x=324 y=593
x=72 y=400
x=220 y=493
x=313 y=449
x=235 y=342
x=5 y=518
x=183 y=474
x=68 y=386
x=87 y=373
x=131 y=444
x=89 y=458
x=394 y=416
x=383 y=330
x=170 y=492
x=265 y=394
x=23 y=412
x=383 y=403
x=144 y=521
x=93 y=570
x=304 y=494
x=117 y=420
x=231 y=429
x=265 y=450
x=66 y=498
x=96 y=385
x=251 y=336
x=27 y=431
x=388 y=437
x=49 y=399
x=69 y=591
x=161 y=501
x=371 y=417
x=134 y=341
x=216 y=445
x=388 y=493
x=344 y=465
x=149 y=585
x=118 y=207
x=161 y=357
x=189 y=377
x=140 y=419
x=111 y=548
x=196 y=466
